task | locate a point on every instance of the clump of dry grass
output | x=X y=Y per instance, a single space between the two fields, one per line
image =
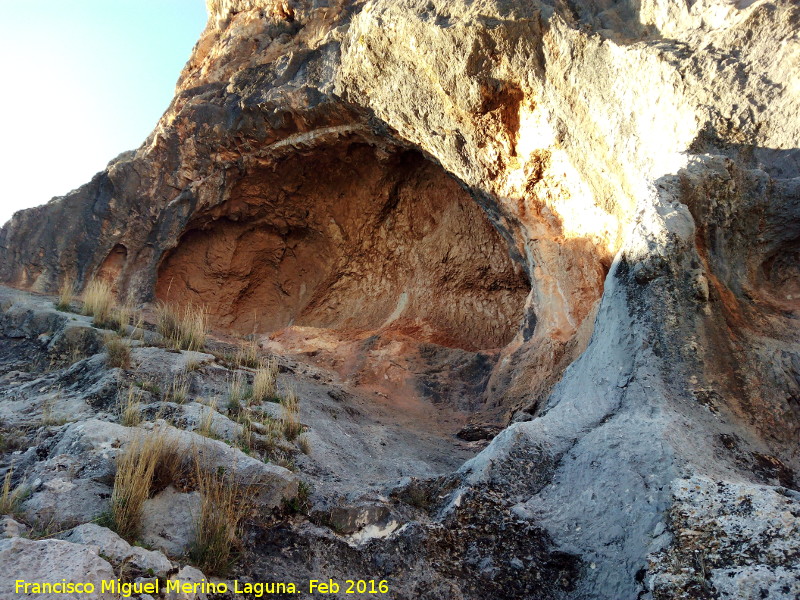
x=98 y=301
x=304 y=444
x=247 y=355
x=193 y=365
x=290 y=416
x=238 y=393
x=246 y=434
x=121 y=317
x=183 y=328
x=48 y=416
x=223 y=508
x=66 y=294
x=137 y=323
x=205 y=426
x=130 y=413
x=10 y=499
x=150 y=462
x=178 y=391
x=119 y=352
x=265 y=381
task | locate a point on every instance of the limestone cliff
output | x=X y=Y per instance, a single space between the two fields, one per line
x=582 y=216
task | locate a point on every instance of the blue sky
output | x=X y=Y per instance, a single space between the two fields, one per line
x=82 y=81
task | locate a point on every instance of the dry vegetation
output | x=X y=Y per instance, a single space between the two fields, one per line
x=222 y=510
x=66 y=295
x=150 y=461
x=178 y=391
x=98 y=301
x=121 y=317
x=183 y=328
x=291 y=415
x=10 y=499
x=131 y=407
x=205 y=427
x=304 y=443
x=238 y=393
x=247 y=355
x=265 y=381
x=48 y=417
x=119 y=352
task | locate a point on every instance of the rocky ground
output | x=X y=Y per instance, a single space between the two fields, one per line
x=61 y=409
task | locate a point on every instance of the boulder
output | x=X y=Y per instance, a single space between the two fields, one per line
x=108 y=544
x=169 y=521
x=51 y=561
x=9 y=528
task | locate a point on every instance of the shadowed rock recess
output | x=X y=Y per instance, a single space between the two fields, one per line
x=575 y=223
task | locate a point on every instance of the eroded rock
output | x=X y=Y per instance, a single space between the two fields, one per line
x=52 y=561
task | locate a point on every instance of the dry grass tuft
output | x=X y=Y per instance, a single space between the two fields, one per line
x=223 y=508
x=205 y=426
x=183 y=328
x=130 y=414
x=66 y=294
x=10 y=499
x=305 y=444
x=246 y=435
x=121 y=317
x=148 y=462
x=270 y=434
x=98 y=302
x=178 y=391
x=119 y=352
x=238 y=393
x=193 y=365
x=247 y=355
x=48 y=416
x=290 y=415
x=265 y=381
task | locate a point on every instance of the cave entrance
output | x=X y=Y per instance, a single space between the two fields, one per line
x=353 y=239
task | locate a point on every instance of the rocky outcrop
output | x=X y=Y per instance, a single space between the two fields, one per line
x=579 y=216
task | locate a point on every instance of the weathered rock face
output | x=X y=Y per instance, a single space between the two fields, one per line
x=346 y=239
x=587 y=210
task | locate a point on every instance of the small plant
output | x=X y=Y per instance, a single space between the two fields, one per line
x=137 y=467
x=66 y=294
x=137 y=321
x=119 y=352
x=131 y=407
x=10 y=499
x=238 y=393
x=287 y=462
x=222 y=511
x=149 y=386
x=301 y=503
x=48 y=417
x=270 y=433
x=246 y=435
x=12 y=439
x=205 y=426
x=304 y=443
x=121 y=317
x=98 y=302
x=182 y=328
x=247 y=355
x=178 y=390
x=193 y=365
x=290 y=415
x=265 y=381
